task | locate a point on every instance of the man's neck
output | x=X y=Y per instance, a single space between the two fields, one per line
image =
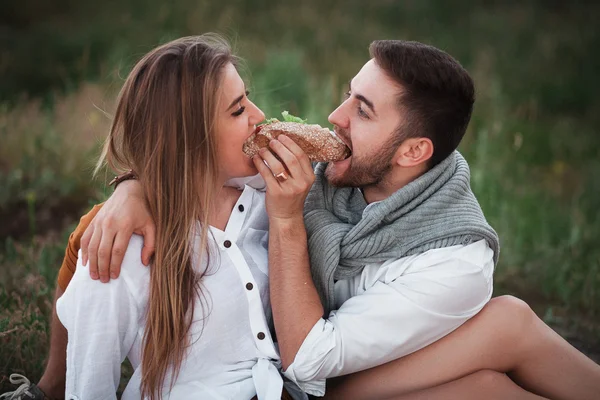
x=394 y=181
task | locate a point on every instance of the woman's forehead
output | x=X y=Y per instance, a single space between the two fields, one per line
x=232 y=86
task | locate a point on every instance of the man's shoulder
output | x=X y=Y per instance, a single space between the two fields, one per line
x=478 y=254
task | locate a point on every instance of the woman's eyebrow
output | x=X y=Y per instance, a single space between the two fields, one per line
x=234 y=102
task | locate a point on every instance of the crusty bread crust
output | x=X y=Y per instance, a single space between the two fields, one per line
x=320 y=144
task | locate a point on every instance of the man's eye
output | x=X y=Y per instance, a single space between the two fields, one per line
x=239 y=111
x=362 y=113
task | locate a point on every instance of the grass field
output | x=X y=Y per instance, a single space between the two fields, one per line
x=532 y=145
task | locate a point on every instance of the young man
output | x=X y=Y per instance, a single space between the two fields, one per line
x=391 y=253
x=400 y=255
x=400 y=251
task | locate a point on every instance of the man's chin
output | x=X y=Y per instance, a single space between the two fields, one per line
x=335 y=175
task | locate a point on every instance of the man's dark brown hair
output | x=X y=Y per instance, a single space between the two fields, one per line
x=437 y=93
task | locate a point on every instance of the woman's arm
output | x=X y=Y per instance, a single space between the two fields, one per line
x=102 y=323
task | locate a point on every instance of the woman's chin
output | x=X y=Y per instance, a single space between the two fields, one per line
x=249 y=171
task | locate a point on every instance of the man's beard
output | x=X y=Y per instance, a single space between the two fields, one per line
x=369 y=170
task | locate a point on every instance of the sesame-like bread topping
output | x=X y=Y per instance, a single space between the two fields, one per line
x=320 y=144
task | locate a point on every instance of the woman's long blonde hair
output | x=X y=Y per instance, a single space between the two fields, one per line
x=163 y=129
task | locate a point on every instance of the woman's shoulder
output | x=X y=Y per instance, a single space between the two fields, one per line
x=132 y=261
x=134 y=275
x=96 y=297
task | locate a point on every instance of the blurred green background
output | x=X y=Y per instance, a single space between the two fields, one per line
x=533 y=142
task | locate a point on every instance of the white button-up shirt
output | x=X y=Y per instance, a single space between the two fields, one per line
x=393 y=309
x=232 y=354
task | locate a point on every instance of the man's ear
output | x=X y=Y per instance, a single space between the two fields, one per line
x=414 y=151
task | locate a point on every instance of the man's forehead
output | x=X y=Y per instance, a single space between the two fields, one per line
x=373 y=83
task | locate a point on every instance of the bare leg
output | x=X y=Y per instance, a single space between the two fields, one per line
x=52 y=382
x=486 y=384
x=506 y=336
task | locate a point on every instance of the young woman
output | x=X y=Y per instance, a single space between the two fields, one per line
x=196 y=323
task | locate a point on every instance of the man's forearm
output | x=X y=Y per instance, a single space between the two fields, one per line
x=294 y=298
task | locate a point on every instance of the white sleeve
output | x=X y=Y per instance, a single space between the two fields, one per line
x=102 y=321
x=394 y=317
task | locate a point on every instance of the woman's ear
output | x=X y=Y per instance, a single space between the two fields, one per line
x=414 y=151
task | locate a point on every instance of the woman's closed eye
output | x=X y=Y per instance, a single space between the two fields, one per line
x=239 y=111
x=242 y=108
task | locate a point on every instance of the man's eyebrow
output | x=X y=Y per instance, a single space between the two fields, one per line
x=368 y=102
x=362 y=98
x=237 y=100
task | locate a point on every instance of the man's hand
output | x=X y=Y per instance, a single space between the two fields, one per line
x=294 y=298
x=288 y=178
x=106 y=239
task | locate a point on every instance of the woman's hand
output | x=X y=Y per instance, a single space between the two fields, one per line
x=288 y=183
x=106 y=239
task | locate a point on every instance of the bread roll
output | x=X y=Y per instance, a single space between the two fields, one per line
x=320 y=144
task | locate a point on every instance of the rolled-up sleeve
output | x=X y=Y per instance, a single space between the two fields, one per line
x=396 y=315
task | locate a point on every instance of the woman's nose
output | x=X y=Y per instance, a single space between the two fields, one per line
x=257 y=115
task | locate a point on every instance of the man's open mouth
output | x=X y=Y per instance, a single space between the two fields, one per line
x=349 y=149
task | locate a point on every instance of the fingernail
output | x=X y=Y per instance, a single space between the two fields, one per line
x=113 y=275
x=262 y=150
x=94 y=275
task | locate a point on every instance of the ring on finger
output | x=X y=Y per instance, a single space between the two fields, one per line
x=281 y=177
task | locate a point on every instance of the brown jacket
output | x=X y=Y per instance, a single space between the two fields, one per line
x=67 y=269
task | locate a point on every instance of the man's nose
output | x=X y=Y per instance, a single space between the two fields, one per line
x=338 y=117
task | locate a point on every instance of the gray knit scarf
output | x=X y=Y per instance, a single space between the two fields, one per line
x=436 y=210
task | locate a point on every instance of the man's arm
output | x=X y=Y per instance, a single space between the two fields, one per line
x=106 y=238
x=294 y=299
x=400 y=308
